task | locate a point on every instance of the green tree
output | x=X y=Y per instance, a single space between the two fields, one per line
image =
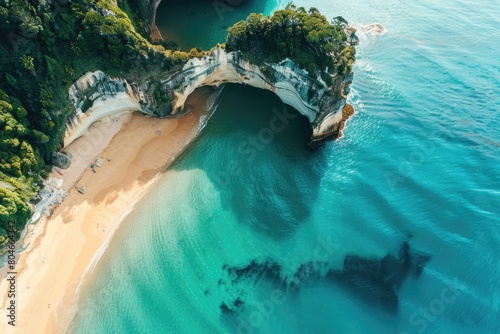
x=28 y=63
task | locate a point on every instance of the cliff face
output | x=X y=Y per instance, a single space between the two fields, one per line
x=145 y=11
x=324 y=106
x=95 y=96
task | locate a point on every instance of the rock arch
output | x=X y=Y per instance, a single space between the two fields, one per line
x=324 y=106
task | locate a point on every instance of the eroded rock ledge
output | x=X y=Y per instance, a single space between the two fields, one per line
x=95 y=95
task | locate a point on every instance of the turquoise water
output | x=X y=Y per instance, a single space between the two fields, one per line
x=203 y=24
x=214 y=246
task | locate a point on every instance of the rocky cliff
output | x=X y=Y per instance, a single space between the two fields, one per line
x=324 y=106
x=145 y=14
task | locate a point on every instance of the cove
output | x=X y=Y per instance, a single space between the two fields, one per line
x=203 y=24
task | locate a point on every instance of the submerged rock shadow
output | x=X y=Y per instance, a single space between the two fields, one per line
x=374 y=281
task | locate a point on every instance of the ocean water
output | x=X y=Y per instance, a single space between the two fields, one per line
x=245 y=238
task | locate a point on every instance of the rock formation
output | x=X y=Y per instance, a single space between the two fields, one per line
x=375 y=281
x=324 y=106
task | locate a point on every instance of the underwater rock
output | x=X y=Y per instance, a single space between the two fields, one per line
x=374 y=281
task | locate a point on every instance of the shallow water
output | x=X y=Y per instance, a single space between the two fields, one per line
x=420 y=157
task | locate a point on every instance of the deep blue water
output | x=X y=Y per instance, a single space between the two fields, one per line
x=284 y=240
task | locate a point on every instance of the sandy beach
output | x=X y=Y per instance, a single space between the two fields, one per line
x=63 y=246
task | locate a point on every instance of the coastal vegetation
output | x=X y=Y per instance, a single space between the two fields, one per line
x=46 y=46
x=305 y=37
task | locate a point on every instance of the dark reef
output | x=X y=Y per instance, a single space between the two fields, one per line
x=374 y=281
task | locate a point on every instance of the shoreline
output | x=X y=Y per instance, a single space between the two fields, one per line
x=77 y=234
x=73 y=299
x=98 y=136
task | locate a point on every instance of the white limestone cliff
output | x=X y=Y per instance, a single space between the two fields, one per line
x=103 y=96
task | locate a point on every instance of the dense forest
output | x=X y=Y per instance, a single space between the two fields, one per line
x=306 y=37
x=46 y=45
